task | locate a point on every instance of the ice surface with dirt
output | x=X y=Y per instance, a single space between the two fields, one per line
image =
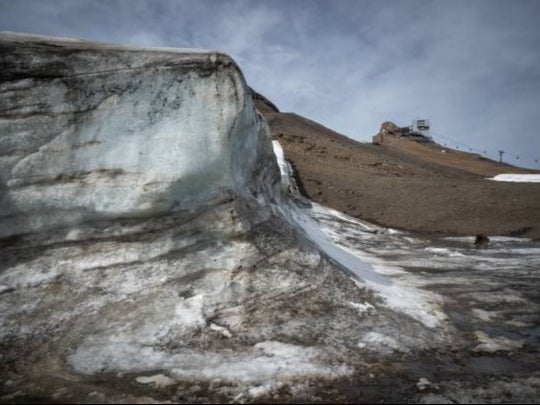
x=140 y=228
x=155 y=248
x=138 y=135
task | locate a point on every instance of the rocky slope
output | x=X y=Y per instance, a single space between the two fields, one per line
x=404 y=184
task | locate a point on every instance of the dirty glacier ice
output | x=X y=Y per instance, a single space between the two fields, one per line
x=153 y=248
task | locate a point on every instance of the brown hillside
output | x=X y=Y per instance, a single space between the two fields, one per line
x=442 y=155
x=403 y=184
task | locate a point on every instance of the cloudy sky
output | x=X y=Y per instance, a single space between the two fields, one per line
x=472 y=67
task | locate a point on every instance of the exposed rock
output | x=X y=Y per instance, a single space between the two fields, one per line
x=262 y=103
x=388 y=127
x=481 y=241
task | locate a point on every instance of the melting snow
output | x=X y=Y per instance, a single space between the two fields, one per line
x=518 y=178
x=265 y=361
x=188 y=312
x=375 y=273
x=362 y=308
x=326 y=229
x=489 y=344
x=379 y=342
x=159 y=380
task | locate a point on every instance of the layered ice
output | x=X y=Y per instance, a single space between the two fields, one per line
x=139 y=225
x=115 y=132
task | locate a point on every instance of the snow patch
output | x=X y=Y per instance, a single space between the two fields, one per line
x=495 y=344
x=266 y=362
x=362 y=308
x=5 y=288
x=375 y=273
x=19 y=278
x=264 y=389
x=158 y=380
x=188 y=312
x=444 y=251
x=378 y=342
x=485 y=316
x=224 y=331
x=288 y=184
x=517 y=178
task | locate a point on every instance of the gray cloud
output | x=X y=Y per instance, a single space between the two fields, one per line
x=472 y=67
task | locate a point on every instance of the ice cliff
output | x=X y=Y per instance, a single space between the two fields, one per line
x=146 y=227
x=92 y=132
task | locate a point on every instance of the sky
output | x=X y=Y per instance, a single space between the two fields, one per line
x=471 y=67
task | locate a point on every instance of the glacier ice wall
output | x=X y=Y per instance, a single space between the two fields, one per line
x=93 y=131
x=145 y=226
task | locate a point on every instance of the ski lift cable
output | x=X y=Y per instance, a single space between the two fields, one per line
x=486 y=151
